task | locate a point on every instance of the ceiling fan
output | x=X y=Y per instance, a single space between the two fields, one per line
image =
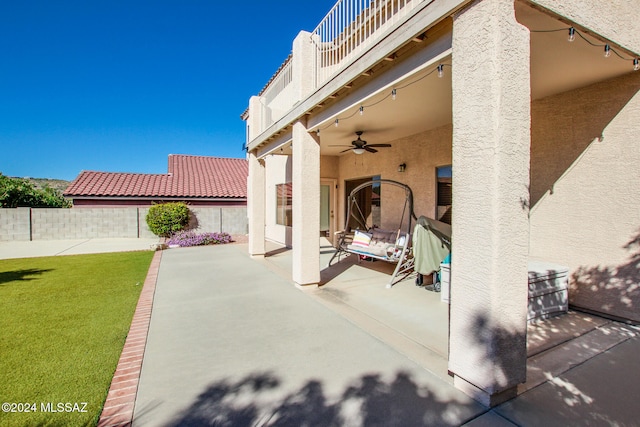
x=359 y=145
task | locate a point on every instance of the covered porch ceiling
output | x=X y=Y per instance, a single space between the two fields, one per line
x=423 y=100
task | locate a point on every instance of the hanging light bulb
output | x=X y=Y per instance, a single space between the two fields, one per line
x=572 y=34
x=607 y=51
x=440 y=70
x=361 y=110
x=636 y=64
x=393 y=94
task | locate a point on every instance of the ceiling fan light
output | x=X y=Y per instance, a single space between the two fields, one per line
x=358 y=150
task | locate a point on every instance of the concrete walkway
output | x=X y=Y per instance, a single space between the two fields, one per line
x=40 y=248
x=232 y=342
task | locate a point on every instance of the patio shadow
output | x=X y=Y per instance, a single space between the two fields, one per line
x=369 y=401
x=610 y=289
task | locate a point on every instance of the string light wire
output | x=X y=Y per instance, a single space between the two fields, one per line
x=572 y=31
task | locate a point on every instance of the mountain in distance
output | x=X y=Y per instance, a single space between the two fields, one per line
x=57 y=184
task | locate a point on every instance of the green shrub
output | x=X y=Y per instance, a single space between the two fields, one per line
x=167 y=218
x=19 y=192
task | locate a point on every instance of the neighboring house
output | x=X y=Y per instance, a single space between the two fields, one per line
x=533 y=106
x=197 y=180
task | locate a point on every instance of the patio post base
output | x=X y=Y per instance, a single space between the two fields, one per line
x=307 y=286
x=482 y=396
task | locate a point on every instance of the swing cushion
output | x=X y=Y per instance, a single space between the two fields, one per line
x=377 y=242
x=361 y=239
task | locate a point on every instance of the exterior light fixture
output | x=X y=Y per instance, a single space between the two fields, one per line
x=572 y=34
x=607 y=51
x=393 y=94
x=402 y=167
x=361 y=110
x=358 y=150
x=440 y=70
x=636 y=64
x=336 y=122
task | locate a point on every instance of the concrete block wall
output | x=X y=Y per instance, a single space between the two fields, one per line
x=54 y=224
x=206 y=219
x=58 y=224
x=234 y=220
x=15 y=224
x=143 y=229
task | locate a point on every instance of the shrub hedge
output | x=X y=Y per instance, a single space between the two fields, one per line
x=165 y=219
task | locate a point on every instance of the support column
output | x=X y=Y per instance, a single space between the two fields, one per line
x=303 y=65
x=491 y=140
x=306 y=206
x=256 y=204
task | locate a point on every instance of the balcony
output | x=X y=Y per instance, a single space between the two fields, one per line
x=348 y=30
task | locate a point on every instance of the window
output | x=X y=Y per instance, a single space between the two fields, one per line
x=445 y=194
x=284 y=204
x=368 y=202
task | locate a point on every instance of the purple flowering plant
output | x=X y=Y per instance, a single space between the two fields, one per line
x=191 y=238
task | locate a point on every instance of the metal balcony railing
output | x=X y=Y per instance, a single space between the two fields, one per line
x=350 y=27
x=279 y=82
x=277 y=97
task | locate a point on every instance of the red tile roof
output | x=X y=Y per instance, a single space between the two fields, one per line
x=189 y=177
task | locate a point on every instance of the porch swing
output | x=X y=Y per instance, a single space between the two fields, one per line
x=393 y=246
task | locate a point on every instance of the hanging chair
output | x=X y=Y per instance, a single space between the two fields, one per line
x=371 y=242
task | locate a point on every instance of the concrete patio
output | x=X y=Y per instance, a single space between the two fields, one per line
x=232 y=340
x=414 y=320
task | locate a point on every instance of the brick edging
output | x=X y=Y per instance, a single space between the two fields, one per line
x=118 y=407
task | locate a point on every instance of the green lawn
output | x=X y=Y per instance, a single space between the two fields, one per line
x=63 y=323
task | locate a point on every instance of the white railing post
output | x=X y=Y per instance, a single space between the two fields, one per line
x=351 y=26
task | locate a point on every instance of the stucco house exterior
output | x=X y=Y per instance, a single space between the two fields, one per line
x=528 y=109
x=197 y=180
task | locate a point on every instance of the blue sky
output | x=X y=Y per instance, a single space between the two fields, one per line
x=117 y=86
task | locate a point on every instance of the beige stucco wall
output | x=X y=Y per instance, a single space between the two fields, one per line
x=585 y=181
x=329 y=166
x=616 y=20
x=422 y=153
x=278 y=171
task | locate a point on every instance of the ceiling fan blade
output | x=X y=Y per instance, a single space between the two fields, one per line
x=339 y=145
x=369 y=149
x=379 y=145
x=348 y=149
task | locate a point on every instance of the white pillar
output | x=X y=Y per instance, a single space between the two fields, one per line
x=303 y=65
x=256 y=204
x=306 y=206
x=491 y=139
x=255 y=119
